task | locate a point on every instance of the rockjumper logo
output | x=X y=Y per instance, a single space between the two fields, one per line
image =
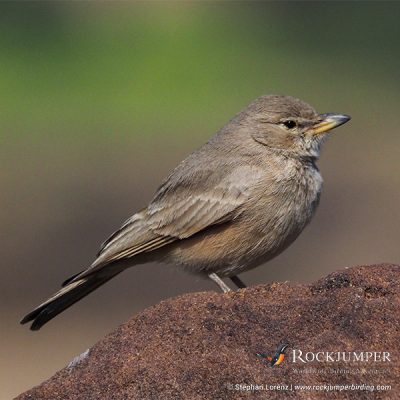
x=339 y=356
x=278 y=357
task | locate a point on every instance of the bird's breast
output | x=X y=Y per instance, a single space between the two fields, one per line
x=281 y=208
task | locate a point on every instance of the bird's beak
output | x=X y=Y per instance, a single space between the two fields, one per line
x=328 y=122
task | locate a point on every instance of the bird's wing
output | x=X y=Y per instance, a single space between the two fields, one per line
x=134 y=237
x=187 y=210
x=180 y=208
x=184 y=216
x=184 y=207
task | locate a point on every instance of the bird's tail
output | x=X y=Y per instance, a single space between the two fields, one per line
x=66 y=297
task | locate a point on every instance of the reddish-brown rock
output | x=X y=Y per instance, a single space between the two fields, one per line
x=203 y=345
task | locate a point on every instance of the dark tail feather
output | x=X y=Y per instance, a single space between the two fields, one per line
x=65 y=298
x=70 y=279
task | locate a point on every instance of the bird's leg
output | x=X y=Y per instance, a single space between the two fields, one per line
x=238 y=282
x=223 y=286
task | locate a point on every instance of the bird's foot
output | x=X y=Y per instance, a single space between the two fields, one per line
x=238 y=282
x=222 y=285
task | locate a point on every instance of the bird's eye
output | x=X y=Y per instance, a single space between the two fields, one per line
x=290 y=124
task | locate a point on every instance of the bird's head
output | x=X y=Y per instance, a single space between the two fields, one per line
x=289 y=125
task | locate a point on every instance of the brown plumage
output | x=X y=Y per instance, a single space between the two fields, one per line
x=231 y=205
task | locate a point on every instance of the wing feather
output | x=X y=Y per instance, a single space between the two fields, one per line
x=181 y=208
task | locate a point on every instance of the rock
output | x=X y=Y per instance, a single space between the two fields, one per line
x=205 y=345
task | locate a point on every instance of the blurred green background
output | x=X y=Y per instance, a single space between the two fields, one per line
x=101 y=99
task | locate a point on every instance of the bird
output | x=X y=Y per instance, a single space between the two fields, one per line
x=278 y=357
x=233 y=204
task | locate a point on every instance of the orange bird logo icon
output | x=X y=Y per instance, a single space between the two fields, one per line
x=278 y=357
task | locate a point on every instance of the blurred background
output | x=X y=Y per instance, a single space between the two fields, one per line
x=101 y=100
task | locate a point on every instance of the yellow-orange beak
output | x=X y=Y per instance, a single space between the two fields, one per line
x=328 y=122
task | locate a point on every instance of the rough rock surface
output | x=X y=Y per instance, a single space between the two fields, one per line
x=203 y=345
